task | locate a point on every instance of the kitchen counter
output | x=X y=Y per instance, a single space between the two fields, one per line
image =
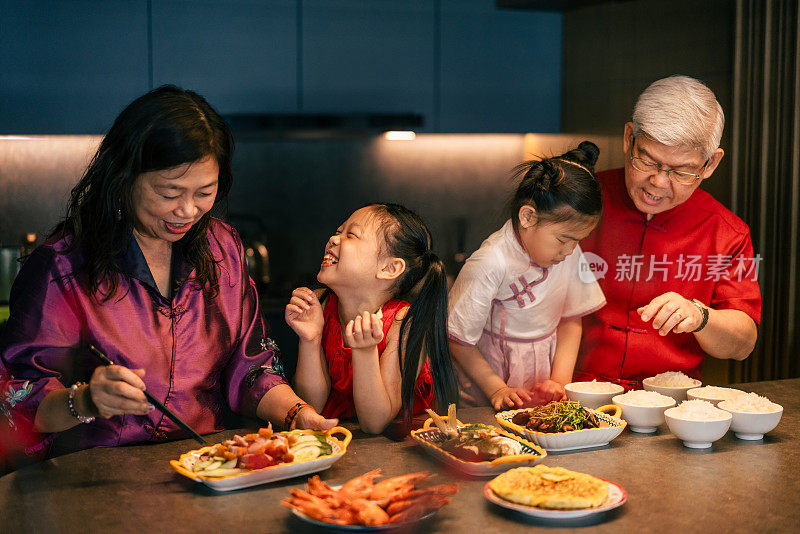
x=735 y=486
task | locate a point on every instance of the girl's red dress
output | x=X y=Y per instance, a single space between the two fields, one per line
x=340 y=365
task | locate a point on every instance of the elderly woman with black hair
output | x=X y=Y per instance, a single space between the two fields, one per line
x=141 y=270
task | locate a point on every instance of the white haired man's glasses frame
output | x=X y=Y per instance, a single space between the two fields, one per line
x=651 y=167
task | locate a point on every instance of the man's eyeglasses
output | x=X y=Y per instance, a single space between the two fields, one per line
x=680 y=177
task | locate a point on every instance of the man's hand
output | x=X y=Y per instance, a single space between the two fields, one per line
x=672 y=312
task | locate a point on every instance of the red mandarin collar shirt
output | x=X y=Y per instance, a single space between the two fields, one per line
x=698 y=249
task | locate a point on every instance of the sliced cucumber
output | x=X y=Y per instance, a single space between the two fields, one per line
x=306 y=438
x=230 y=464
x=216 y=464
x=200 y=465
x=324 y=445
x=306 y=453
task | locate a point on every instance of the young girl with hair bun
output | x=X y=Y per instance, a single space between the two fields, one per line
x=514 y=319
x=374 y=344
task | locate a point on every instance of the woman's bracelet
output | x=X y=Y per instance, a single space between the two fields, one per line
x=71 y=404
x=292 y=414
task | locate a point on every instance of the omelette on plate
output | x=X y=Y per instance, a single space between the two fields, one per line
x=550 y=487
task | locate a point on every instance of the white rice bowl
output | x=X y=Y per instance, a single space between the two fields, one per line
x=697 y=423
x=752 y=415
x=673 y=384
x=714 y=394
x=643 y=410
x=592 y=394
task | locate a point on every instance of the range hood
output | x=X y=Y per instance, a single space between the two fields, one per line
x=320 y=125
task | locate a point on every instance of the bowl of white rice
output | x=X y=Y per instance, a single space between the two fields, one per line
x=753 y=415
x=643 y=410
x=714 y=394
x=592 y=394
x=697 y=423
x=673 y=384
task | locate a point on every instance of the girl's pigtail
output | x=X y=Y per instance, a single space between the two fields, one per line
x=426 y=326
x=423 y=332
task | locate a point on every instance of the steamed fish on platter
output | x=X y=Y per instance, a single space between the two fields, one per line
x=475 y=442
x=550 y=488
x=481 y=443
x=448 y=424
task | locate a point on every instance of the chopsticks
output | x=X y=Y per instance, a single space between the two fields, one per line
x=166 y=411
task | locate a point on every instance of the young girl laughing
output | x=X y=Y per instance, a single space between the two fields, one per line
x=376 y=343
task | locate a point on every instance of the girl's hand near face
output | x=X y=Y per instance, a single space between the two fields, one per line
x=117 y=390
x=304 y=315
x=365 y=331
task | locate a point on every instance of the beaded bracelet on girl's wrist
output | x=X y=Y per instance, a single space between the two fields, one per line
x=71 y=404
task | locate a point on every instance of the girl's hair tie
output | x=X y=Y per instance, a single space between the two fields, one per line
x=429 y=257
x=575 y=163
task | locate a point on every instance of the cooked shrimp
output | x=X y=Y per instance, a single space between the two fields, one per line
x=418 y=509
x=386 y=488
x=432 y=502
x=368 y=513
x=317 y=487
x=441 y=489
x=312 y=506
x=359 y=487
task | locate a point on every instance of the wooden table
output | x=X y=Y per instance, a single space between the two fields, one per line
x=735 y=486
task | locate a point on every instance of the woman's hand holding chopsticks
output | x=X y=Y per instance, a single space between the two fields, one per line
x=117 y=390
x=112 y=390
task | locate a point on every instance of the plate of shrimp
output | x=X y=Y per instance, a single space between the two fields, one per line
x=364 y=504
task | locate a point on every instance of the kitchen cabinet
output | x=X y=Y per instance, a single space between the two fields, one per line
x=70 y=67
x=375 y=56
x=466 y=66
x=241 y=55
x=500 y=69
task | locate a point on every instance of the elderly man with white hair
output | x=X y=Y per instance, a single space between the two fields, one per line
x=680 y=274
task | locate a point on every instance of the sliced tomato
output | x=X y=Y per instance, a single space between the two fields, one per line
x=255 y=461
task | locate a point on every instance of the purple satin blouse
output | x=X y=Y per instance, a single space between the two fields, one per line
x=198 y=352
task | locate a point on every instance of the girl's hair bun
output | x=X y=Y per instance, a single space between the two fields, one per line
x=551 y=183
x=590 y=153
